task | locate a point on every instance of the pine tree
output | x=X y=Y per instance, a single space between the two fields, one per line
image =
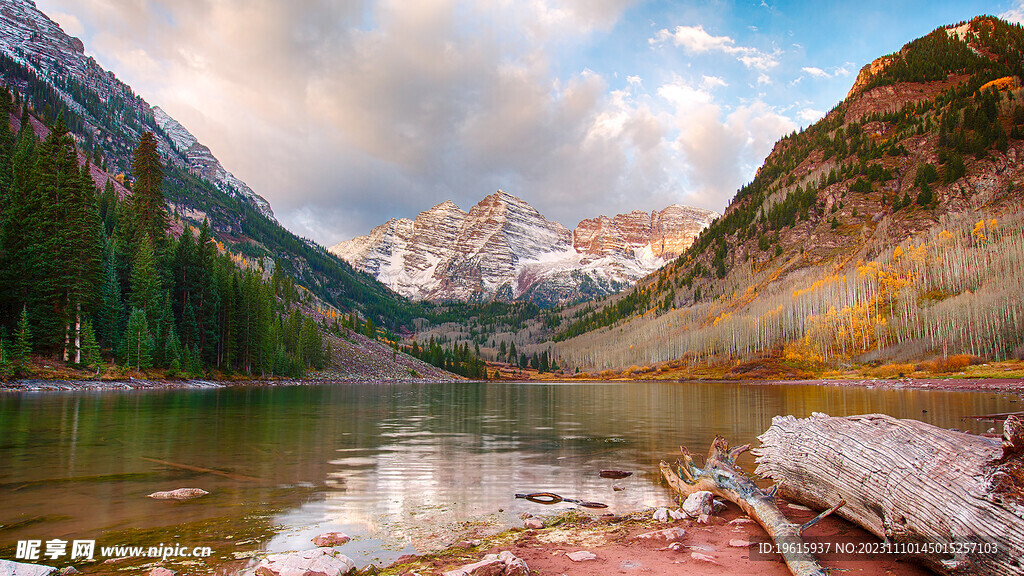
x=145 y=286
x=162 y=332
x=173 y=352
x=138 y=342
x=5 y=353
x=82 y=257
x=22 y=344
x=311 y=350
x=90 y=348
x=207 y=300
x=15 y=215
x=111 y=312
x=54 y=180
x=194 y=364
x=110 y=208
x=147 y=199
x=189 y=328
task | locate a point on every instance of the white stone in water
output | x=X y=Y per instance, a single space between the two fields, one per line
x=331 y=539
x=179 y=494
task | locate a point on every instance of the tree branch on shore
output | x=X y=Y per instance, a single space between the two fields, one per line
x=722 y=477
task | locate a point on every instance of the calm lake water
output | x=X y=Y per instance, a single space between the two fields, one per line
x=401 y=468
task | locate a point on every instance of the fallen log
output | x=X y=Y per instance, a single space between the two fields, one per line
x=949 y=499
x=722 y=477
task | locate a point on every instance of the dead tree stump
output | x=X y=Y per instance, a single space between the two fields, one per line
x=950 y=499
x=722 y=477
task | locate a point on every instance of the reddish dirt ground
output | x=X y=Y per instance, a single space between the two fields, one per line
x=728 y=544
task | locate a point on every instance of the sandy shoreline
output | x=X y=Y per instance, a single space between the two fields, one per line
x=729 y=543
x=145 y=384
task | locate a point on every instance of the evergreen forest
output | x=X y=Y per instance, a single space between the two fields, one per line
x=91 y=278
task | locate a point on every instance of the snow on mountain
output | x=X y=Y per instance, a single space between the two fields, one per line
x=202 y=162
x=113 y=116
x=503 y=248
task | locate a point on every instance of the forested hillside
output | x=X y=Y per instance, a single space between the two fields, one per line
x=88 y=277
x=889 y=229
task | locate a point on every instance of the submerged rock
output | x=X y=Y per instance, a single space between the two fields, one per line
x=331 y=539
x=179 y=494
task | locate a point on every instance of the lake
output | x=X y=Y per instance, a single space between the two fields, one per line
x=399 y=467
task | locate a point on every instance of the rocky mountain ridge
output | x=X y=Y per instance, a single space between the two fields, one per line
x=504 y=249
x=38 y=56
x=888 y=230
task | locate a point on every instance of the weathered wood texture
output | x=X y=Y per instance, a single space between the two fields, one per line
x=907 y=482
x=723 y=478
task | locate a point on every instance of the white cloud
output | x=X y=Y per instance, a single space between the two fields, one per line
x=752 y=58
x=344 y=114
x=712 y=82
x=844 y=70
x=720 y=148
x=816 y=72
x=1015 y=13
x=809 y=115
x=696 y=39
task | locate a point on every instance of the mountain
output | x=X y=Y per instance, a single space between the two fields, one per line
x=505 y=249
x=39 y=58
x=888 y=231
x=49 y=71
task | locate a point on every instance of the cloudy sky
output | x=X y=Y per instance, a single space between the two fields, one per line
x=344 y=113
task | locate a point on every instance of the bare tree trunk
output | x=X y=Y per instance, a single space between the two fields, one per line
x=78 y=333
x=722 y=477
x=949 y=499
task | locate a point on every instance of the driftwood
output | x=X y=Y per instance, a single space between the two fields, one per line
x=949 y=499
x=722 y=477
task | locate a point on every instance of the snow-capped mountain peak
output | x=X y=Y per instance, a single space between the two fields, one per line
x=503 y=248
